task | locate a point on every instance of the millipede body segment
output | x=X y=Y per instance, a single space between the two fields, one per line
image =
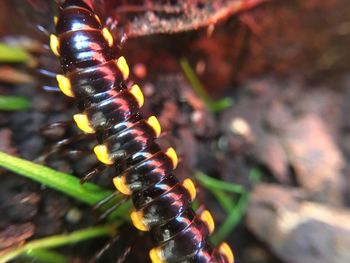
x=95 y=75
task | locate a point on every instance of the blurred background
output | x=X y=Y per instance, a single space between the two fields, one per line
x=253 y=95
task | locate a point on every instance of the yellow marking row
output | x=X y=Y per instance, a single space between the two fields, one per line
x=224 y=249
x=101 y=150
x=82 y=119
x=156 y=254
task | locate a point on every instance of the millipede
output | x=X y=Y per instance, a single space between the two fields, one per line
x=96 y=76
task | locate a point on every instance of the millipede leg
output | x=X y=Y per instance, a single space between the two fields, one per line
x=58 y=146
x=103 y=250
x=124 y=255
x=105 y=200
x=51 y=88
x=47 y=73
x=112 y=208
x=42 y=30
x=55 y=125
x=92 y=173
x=74 y=152
x=121 y=256
x=71 y=140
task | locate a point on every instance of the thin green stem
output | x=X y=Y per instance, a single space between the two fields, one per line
x=214 y=106
x=234 y=217
x=12 y=54
x=58 y=240
x=45 y=256
x=224 y=200
x=255 y=175
x=88 y=193
x=12 y=103
x=220 y=190
x=123 y=211
x=194 y=81
x=212 y=183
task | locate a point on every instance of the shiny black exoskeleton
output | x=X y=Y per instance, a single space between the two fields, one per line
x=94 y=77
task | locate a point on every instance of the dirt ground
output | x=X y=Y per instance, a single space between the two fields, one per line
x=285 y=65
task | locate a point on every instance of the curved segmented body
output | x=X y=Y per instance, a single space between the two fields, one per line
x=94 y=76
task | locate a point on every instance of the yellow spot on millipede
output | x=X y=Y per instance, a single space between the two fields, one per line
x=123 y=67
x=54 y=45
x=98 y=19
x=155 y=256
x=189 y=185
x=102 y=154
x=119 y=183
x=225 y=250
x=83 y=123
x=207 y=218
x=170 y=152
x=137 y=220
x=108 y=36
x=154 y=123
x=64 y=85
x=137 y=93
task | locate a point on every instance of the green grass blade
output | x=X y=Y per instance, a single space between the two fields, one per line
x=45 y=256
x=194 y=81
x=233 y=219
x=255 y=175
x=224 y=200
x=219 y=105
x=212 y=183
x=221 y=190
x=12 y=103
x=122 y=212
x=88 y=193
x=214 y=106
x=58 y=240
x=12 y=54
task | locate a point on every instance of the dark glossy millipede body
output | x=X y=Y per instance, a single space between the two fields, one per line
x=95 y=76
